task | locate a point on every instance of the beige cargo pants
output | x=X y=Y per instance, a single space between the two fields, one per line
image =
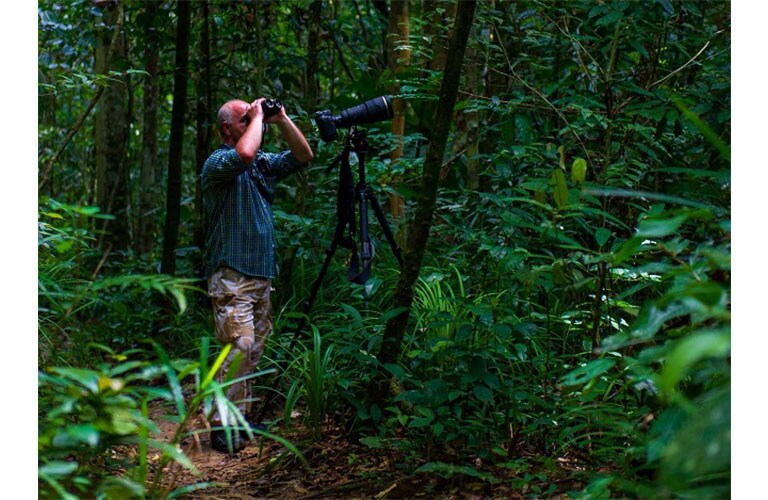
x=242 y=313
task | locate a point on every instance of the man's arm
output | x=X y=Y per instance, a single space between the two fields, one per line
x=296 y=140
x=250 y=142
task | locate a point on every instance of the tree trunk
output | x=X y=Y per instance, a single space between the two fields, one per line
x=467 y=123
x=173 y=201
x=204 y=125
x=398 y=57
x=110 y=136
x=148 y=189
x=473 y=125
x=437 y=34
x=425 y=207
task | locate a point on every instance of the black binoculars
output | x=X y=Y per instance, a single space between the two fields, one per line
x=271 y=107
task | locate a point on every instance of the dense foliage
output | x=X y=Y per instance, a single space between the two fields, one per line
x=574 y=304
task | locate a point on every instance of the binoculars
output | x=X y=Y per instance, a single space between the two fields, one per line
x=271 y=107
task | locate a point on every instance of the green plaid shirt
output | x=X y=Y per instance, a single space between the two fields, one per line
x=237 y=199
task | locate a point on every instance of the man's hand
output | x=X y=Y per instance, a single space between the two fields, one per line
x=250 y=142
x=256 y=109
x=277 y=117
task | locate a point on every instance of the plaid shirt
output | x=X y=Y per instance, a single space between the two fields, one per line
x=237 y=199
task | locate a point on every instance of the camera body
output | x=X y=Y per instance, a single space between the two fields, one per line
x=377 y=109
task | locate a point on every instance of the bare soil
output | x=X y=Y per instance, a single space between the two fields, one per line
x=337 y=468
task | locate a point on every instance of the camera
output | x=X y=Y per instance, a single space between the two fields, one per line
x=271 y=107
x=377 y=109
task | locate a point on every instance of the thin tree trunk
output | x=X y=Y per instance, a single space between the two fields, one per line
x=173 y=201
x=434 y=32
x=204 y=124
x=472 y=121
x=467 y=123
x=148 y=190
x=425 y=207
x=398 y=57
x=110 y=135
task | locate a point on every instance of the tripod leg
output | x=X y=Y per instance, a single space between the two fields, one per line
x=396 y=250
x=366 y=249
x=303 y=321
x=319 y=280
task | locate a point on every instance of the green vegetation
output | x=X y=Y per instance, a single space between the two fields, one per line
x=573 y=303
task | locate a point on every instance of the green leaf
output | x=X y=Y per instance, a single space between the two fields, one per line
x=560 y=188
x=87 y=378
x=121 y=487
x=627 y=250
x=58 y=468
x=703 y=127
x=482 y=393
x=395 y=370
x=690 y=350
x=216 y=365
x=660 y=227
x=579 y=170
x=650 y=319
x=602 y=235
x=353 y=312
x=392 y=313
x=699 y=447
x=584 y=374
x=609 y=19
x=76 y=434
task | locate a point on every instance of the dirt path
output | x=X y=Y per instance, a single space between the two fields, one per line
x=338 y=468
x=265 y=468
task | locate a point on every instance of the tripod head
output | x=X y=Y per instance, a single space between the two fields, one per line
x=357 y=141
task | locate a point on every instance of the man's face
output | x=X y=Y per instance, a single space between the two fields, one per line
x=240 y=120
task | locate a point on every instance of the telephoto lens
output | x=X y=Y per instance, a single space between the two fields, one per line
x=271 y=107
x=375 y=110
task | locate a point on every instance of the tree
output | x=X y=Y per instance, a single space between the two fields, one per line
x=111 y=133
x=149 y=198
x=204 y=125
x=173 y=201
x=424 y=212
x=398 y=57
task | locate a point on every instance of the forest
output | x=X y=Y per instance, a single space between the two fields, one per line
x=512 y=282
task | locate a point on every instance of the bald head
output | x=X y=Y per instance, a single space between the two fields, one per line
x=225 y=112
x=230 y=112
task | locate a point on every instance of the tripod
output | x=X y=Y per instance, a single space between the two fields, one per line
x=348 y=195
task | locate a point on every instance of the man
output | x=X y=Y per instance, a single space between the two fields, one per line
x=238 y=182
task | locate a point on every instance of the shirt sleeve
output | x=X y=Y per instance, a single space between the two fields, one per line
x=278 y=166
x=222 y=166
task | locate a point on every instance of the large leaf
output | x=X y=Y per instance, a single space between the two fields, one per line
x=559 y=188
x=690 y=350
x=699 y=452
x=579 y=170
x=482 y=393
x=584 y=374
x=660 y=227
